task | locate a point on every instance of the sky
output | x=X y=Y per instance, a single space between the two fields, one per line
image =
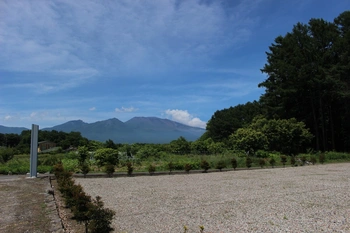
x=182 y=60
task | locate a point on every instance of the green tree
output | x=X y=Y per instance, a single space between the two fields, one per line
x=106 y=156
x=249 y=140
x=180 y=146
x=308 y=72
x=225 y=122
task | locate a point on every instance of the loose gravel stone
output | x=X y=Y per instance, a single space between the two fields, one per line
x=292 y=199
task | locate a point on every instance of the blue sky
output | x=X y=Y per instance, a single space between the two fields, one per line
x=177 y=59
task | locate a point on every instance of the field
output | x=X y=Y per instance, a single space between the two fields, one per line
x=311 y=198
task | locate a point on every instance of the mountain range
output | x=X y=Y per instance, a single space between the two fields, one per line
x=135 y=130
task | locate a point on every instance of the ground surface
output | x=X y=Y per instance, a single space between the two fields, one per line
x=299 y=199
x=25 y=206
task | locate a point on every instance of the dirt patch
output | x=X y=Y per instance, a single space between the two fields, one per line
x=26 y=206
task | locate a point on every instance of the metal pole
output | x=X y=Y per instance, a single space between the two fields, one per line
x=34 y=151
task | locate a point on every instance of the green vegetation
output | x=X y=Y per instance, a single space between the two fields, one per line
x=302 y=117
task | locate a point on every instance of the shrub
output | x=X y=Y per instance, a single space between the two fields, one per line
x=220 y=165
x=272 y=162
x=262 y=162
x=234 y=163
x=322 y=158
x=151 y=169
x=262 y=154
x=313 y=159
x=100 y=217
x=130 y=168
x=188 y=167
x=205 y=165
x=85 y=169
x=109 y=169
x=283 y=160
x=170 y=167
x=303 y=159
x=292 y=161
x=248 y=162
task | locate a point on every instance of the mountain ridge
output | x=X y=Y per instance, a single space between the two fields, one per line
x=135 y=130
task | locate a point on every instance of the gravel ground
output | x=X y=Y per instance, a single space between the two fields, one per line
x=299 y=199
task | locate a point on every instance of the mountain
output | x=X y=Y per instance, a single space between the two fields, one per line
x=16 y=130
x=137 y=129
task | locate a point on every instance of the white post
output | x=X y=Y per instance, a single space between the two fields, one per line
x=34 y=151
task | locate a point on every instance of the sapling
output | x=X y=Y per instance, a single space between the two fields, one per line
x=220 y=165
x=205 y=165
x=272 y=162
x=234 y=163
x=262 y=162
x=248 y=162
x=283 y=160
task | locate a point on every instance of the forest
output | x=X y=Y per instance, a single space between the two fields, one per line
x=304 y=111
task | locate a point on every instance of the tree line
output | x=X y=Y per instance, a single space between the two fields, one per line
x=308 y=79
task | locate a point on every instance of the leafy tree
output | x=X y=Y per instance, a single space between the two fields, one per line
x=287 y=136
x=180 y=146
x=249 y=140
x=6 y=154
x=188 y=167
x=308 y=72
x=225 y=122
x=106 y=156
x=83 y=153
x=171 y=166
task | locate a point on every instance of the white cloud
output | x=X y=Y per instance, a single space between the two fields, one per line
x=92 y=109
x=7 y=118
x=184 y=117
x=123 y=109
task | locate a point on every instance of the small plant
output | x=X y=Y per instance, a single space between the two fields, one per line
x=248 y=162
x=109 y=169
x=201 y=229
x=205 y=165
x=272 y=162
x=234 y=163
x=284 y=160
x=188 y=167
x=292 y=161
x=303 y=159
x=130 y=168
x=220 y=165
x=313 y=160
x=322 y=158
x=185 y=229
x=85 y=169
x=171 y=167
x=151 y=169
x=262 y=162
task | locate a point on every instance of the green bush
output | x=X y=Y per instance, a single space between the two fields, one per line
x=109 y=169
x=272 y=162
x=171 y=166
x=337 y=156
x=322 y=158
x=262 y=162
x=151 y=169
x=130 y=168
x=221 y=165
x=292 y=161
x=248 y=162
x=283 y=160
x=205 y=165
x=234 y=163
x=313 y=159
x=188 y=167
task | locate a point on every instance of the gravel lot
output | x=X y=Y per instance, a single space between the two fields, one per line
x=299 y=199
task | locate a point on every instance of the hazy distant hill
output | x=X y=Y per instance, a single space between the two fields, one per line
x=137 y=129
x=16 y=130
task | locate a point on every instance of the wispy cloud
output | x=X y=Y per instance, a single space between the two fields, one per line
x=123 y=109
x=92 y=109
x=183 y=116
